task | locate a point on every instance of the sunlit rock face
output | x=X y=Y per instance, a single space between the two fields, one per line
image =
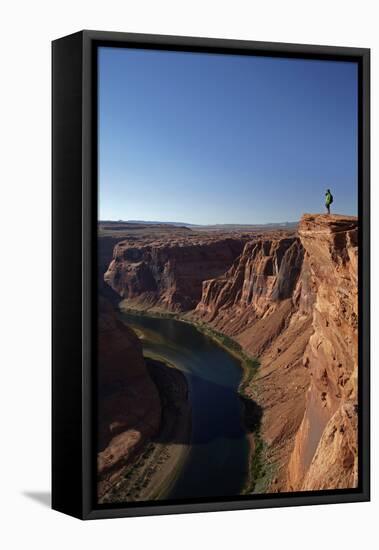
x=327 y=438
x=169 y=274
x=290 y=299
x=293 y=302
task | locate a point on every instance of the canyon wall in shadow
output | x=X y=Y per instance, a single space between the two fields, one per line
x=129 y=408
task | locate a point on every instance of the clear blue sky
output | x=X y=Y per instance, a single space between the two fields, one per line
x=204 y=138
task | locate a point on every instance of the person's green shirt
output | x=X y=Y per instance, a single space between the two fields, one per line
x=328 y=198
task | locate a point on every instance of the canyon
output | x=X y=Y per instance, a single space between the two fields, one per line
x=288 y=298
x=169 y=275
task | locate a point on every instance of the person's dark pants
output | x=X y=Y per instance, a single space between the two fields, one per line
x=328 y=208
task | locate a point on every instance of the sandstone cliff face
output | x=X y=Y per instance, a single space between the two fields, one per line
x=291 y=301
x=105 y=247
x=261 y=279
x=169 y=275
x=129 y=407
x=264 y=302
x=327 y=438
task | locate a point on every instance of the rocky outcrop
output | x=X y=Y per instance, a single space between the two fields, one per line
x=105 y=247
x=169 y=274
x=129 y=408
x=265 y=302
x=261 y=279
x=327 y=437
x=292 y=302
x=335 y=464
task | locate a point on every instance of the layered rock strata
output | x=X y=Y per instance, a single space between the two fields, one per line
x=325 y=454
x=291 y=301
x=265 y=303
x=129 y=408
x=169 y=274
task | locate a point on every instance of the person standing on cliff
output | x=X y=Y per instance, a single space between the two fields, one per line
x=328 y=200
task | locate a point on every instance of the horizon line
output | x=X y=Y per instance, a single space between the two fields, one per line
x=193 y=224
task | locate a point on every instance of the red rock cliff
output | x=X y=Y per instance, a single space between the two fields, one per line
x=325 y=450
x=264 y=302
x=292 y=302
x=129 y=408
x=261 y=279
x=169 y=274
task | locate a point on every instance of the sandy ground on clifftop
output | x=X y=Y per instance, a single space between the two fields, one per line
x=155 y=468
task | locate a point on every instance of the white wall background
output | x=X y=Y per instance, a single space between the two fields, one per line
x=27 y=29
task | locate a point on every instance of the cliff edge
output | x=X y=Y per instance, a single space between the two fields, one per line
x=325 y=453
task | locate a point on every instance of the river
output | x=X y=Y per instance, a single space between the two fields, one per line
x=218 y=457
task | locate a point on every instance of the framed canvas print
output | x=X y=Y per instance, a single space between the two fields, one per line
x=210 y=274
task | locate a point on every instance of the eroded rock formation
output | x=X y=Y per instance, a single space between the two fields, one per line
x=129 y=408
x=169 y=274
x=265 y=303
x=327 y=438
x=288 y=299
x=293 y=302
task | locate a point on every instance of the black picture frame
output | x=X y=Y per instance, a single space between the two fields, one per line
x=74 y=315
